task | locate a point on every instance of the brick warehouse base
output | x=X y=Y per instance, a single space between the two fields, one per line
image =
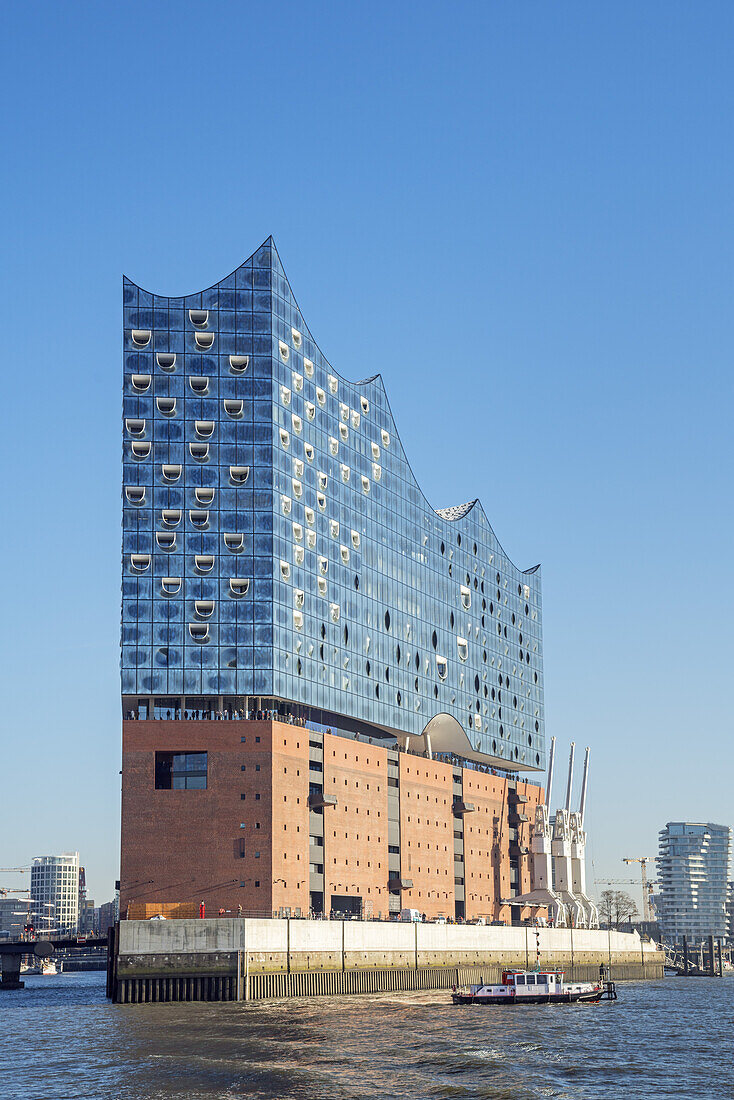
x=225 y=960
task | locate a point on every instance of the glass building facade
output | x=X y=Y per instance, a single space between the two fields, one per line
x=276 y=545
x=693 y=872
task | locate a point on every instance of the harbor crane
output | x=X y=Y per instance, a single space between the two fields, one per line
x=646 y=886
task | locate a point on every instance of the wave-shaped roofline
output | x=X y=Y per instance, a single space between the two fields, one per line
x=460 y=511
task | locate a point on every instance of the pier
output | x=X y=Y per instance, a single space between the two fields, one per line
x=228 y=959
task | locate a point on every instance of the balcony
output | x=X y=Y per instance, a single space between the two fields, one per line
x=460 y=807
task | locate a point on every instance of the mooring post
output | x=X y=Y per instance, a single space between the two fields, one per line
x=685 y=956
x=712 y=968
x=239 y=976
x=343 y=964
x=288 y=945
x=721 y=964
x=415 y=925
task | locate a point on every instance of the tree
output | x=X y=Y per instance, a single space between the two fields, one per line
x=616 y=907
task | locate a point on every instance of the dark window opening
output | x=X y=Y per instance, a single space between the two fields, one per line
x=180 y=771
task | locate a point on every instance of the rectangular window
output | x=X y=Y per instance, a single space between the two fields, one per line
x=180 y=771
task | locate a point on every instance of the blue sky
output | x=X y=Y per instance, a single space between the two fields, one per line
x=520 y=214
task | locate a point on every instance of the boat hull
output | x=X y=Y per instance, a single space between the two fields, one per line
x=591 y=997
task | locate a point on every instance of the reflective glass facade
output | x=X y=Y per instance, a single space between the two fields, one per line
x=276 y=543
x=693 y=870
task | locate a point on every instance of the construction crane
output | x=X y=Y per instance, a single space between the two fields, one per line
x=14 y=870
x=5 y=890
x=646 y=886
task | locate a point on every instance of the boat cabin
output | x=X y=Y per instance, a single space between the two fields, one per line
x=550 y=980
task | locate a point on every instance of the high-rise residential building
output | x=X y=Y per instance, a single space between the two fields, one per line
x=304 y=638
x=693 y=869
x=55 y=893
x=730 y=911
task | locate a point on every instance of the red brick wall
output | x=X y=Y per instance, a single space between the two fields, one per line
x=355 y=830
x=290 y=817
x=427 y=835
x=486 y=845
x=187 y=845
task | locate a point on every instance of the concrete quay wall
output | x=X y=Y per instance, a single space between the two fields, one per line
x=242 y=959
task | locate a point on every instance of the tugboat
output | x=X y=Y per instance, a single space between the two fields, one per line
x=536 y=987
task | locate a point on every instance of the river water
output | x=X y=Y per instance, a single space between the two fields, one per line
x=60 y=1039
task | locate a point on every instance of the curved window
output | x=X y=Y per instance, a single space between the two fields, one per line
x=239 y=586
x=298 y=620
x=308 y=367
x=376 y=471
x=297 y=381
x=334 y=528
x=345 y=554
x=333 y=445
x=355 y=418
x=234 y=542
x=170 y=586
x=385 y=438
x=166 y=405
x=298 y=467
x=375 y=450
x=204 y=428
x=344 y=412
x=365 y=484
x=204 y=608
x=204 y=340
x=343 y=433
x=141 y=337
x=199 y=317
x=139 y=562
x=310 y=410
x=284 y=438
x=204 y=562
x=299 y=597
x=286 y=504
x=297 y=423
x=321 y=584
x=171 y=471
x=297 y=488
x=333 y=383
x=199 y=384
x=298 y=532
x=320 y=397
x=308 y=451
x=166 y=540
x=365 y=404
x=311 y=540
x=141 y=450
x=238 y=364
x=297 y=338
x=204 y=496
x=442 y=667
x=199 y=451
x=238 y=475
x=310 y=516
x=334 y=611
x=321 y=501
x=285 y=570
x=233 y=408
x=298 y=555
x=463 y=647
x=199 y=518
x=166 y=360
x=141 y=382
x=199 y=632
x=171 y=516
x=284 y=351
x=355 y=539
x=466 y=596
x=345 y=471
x=324 y=565
x=285 y=395
x=323 y=479
x=134 y=427
x=135 y=494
